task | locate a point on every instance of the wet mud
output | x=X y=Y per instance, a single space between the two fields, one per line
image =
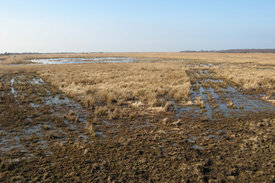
x=38 y=115
x=224 y=135
x=213 y=98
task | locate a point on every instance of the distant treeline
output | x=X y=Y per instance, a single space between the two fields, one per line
x=236 y=51
x=186 y=51
x=24 y=53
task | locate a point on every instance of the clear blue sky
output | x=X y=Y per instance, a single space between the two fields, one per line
x=135 y=25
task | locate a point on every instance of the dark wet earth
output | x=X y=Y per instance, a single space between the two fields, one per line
x=224 y=136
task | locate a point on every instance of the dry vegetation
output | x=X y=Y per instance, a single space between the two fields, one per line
x=124 y=130
x=259 y=58
x=152 y=85
x=251 y=71
x=251 y=77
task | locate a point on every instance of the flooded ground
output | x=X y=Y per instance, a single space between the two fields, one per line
x=82 y=60
x=224 y=135
x=214 y=98
x=44 y=115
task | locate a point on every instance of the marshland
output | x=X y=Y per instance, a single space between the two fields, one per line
x=137 y=117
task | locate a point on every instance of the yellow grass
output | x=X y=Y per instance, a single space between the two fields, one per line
x=260 y=58
x=121 y=84
x=145 y=83
x=250 y=77
x=17 y=69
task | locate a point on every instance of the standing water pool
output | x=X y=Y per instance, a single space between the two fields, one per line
x=82 y=60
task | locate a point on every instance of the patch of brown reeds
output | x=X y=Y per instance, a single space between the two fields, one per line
x=260 y=58
x=252 y=77
x=102 y=86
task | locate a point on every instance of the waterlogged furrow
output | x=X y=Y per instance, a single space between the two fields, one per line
x=13 y=91
x=52 y=117
x=67 y=110
x=213 y=98
x=47 y=117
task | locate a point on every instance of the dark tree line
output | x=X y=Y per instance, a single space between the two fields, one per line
x=236 y=51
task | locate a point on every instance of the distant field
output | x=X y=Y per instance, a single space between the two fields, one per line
x=259 y=58
x=253 y=71
x=186 y=117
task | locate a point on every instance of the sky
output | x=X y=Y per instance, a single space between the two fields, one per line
x=135 y=25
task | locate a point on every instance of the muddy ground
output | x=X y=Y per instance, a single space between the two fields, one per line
x=226 y=135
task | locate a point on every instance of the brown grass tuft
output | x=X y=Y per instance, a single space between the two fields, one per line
x=90 y=129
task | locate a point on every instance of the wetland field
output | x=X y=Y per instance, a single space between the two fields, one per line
x=137 y=117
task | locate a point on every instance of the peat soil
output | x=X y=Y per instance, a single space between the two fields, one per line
x=224 y=136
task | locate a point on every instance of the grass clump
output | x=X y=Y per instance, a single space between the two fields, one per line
x=102 y=87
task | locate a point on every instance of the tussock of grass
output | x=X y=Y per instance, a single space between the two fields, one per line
x=71 y=116
x=100 y=111
x=114 y=114
x=249 y=77
x=102 y=87
x=230 y=104
x=90 y=129
x=260 y=58
x=199 y=102
x=52 y=135
x=167 y=106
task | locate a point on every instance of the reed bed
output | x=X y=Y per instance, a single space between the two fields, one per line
x=259 y=58
x=100 y=87
x=251 y=77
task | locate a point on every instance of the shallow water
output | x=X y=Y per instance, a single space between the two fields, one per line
x=212 y=137
x=61 y=105
x=101 y=134
x=56 y=100
x=34 y=105
x=145 y=124
x=192 y=138
x=198 y=147
x=83 y=60
x=12 y=88
x=57 y=104
x=243 y=103
x=38 y=81
x=15 y=140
